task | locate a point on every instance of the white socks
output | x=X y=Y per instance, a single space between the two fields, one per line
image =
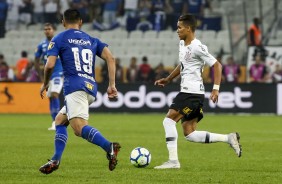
x=196 y=136
x=206 y=137
x=171 y=138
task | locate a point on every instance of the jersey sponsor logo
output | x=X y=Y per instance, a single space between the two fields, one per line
x=79 y=42
x=89 y=85
x=202 y=47
x=186 y=110
x=51 y=45
x=201 y=111
x=86 y=76
x=202 y=88
x=57 y=81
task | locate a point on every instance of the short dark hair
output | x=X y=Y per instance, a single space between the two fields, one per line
x=24 y=53
x=72 y=16
x=144 y=59
x=256 y=20
x=47 y=24
x=189 y=20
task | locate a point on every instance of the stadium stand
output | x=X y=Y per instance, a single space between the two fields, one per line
x=159 y=47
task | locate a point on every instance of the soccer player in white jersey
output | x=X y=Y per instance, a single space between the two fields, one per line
x=187 y=105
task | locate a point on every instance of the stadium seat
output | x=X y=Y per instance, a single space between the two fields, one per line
x=222 y=34
x=198 y=33
x=150 y=34
x=275 y=41
x=136 y=34
x=154 y=60
x=120 y=34
x=208 y=34
x=94 y=33
x=166 y=34
x=13 y=34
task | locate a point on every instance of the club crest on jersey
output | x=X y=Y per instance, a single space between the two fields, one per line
x=51 y=45
x=89 y=86
x=187 y=55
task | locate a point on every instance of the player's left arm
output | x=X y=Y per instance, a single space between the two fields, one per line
x=109 y=58
x=217 y=78
x=202 y=50
x=48 y=69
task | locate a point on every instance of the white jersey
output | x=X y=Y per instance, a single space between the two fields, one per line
x=192 y=59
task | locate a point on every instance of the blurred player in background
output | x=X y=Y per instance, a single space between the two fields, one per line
x=187 y=105
x=77 y=51
x=56 y=80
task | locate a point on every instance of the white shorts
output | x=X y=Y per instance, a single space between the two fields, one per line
x=77 y=105
x=55 y=86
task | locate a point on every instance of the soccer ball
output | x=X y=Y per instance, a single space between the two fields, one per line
x=140 y=157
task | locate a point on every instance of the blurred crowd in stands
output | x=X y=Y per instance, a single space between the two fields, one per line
x=105 y=14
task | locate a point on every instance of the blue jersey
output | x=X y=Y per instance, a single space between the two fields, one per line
x=41 y=52
x=77 y=51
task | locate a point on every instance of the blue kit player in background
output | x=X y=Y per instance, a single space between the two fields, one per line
x=56 y=80
x=77 y=51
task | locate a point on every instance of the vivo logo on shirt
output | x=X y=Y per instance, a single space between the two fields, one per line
x=79 y=42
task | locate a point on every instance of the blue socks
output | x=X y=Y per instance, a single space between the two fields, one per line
x=89 y=133
x=54 y=107
x=94 y=136
x=61 y=138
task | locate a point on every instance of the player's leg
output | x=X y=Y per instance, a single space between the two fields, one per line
x=171 y=137
x=55 y=87
x=78 y=118
x=191 y=134
x=60 y=143
x=169 y=123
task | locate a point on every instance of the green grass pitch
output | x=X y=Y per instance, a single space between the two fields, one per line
x=26 y=144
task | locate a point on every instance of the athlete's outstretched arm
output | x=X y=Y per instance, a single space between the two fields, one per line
x=164 y=81
x=111 y=63
x=217 y=79
x=48 y=69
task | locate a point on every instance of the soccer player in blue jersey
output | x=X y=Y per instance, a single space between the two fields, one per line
x=56 y=80
x=77 y=51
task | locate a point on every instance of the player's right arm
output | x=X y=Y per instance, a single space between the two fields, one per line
x=48 y=69
x=164 y=81
x=109 y=58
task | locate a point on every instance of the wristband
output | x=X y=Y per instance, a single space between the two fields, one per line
x=216 y=87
